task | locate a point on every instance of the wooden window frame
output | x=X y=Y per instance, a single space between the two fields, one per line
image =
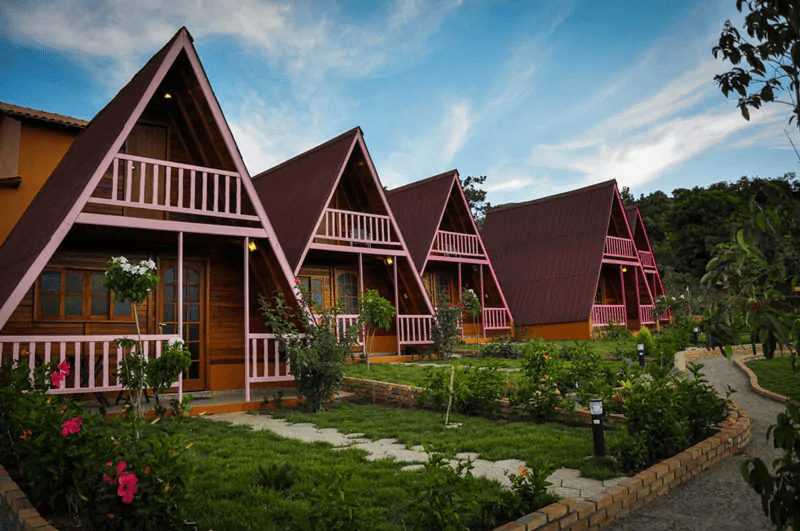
x=337 y=295
x=86 y=294
x=311 y=279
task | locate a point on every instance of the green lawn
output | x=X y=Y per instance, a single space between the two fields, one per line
x=777 y=375
x=558 y=444
x=324 y=488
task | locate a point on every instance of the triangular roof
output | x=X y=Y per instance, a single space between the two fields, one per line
x=419 y=208
x=548 y=253
x=295 y=193
x=55 y=208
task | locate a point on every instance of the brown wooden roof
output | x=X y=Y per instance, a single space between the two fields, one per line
x=547 y=253
x=34 y=114
x=295 y=192
x=418 y=208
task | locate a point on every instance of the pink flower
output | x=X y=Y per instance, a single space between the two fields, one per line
x=120 y=467
x=297 y=281
x=108 y=479
x=127 y=486
x=71 y=426
x=56 y=378
x=64 y=368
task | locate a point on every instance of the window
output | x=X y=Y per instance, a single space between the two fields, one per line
x=443 y=288
x=313 y=285
x=347 y=292
x=78 y=295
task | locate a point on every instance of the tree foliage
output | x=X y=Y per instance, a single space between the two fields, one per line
x=766 y=66
x=476 y=196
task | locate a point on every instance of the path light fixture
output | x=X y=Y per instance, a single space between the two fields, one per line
x=641 y=355
x=596 y=409
x=696 y=338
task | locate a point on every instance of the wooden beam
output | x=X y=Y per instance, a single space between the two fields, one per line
x=200 y=113
x=169 y=225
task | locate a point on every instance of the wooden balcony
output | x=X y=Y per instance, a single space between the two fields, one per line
x=356 y=227
x=93 y=360
x=647 y=314
x=456 y=244
x=605 y=314
x=414 y=329
x=619 y=248
x=495 y=319
x=647 y=259
x=166 y=186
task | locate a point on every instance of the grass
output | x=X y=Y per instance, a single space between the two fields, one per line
x=557 y=444
x=322 y=488
x=777 y=375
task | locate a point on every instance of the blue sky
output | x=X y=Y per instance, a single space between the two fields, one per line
x=541 y=97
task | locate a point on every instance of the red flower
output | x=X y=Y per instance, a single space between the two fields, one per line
x=120 y=467
x=127 y=486
x=64 y=368
x=108 y=479
x=71 y=426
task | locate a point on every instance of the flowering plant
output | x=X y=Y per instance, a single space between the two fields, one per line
x=471 y=302
x=130 y=282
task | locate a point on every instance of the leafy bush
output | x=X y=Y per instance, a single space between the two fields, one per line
x=538 y=393
x=375 y=312
x=502 y=348
x=445 y=329
x=62 y=455
x=476 y=390
x=664 y=416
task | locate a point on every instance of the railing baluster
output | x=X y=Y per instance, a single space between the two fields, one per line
x=181 y=189
x=192 y=189
x=168 y=186
x=142 y=176
x=238 y=195
x=128 y=181
x=114 y=178
x=91 y=365
x=106 y=368
x=77 y=364
x=156 y=167
x=204 y=204
x=227 y=194
x=216 y=192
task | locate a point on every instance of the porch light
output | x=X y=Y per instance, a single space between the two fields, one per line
x=624 y=269
x=387 y=260
x=596 y=410
x=252 y=245
x=167 y=96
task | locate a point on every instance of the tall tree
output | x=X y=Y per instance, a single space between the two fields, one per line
x=476 y=196
x=766 y=67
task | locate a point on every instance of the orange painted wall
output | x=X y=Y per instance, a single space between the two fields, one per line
x=40 y=150
x=578 y=330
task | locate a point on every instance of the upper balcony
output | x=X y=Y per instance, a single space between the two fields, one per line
x=448 y=243
x=647 y=259
x=619 y=248
x=357 y=228
x=165 y=186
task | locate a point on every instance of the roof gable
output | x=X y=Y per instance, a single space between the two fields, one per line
x=419 y=208
x=55 y=208
x=547 y=253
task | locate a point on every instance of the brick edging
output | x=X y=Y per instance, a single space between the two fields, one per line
x=17 y=512
x=766 y=393
x=649 y=484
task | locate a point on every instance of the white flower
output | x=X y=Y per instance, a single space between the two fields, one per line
x=127 y=267
x=175 y=341
x=150 y=264
x=681 y=297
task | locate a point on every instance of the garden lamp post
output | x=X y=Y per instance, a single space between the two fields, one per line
x=641 y=355
x=696 y=338
x=596 y=409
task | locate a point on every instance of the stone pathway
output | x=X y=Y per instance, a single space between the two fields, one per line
x=718 y=499
x=565 y=482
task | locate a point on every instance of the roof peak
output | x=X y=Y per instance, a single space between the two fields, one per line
x=306 y=153
x=448 y=173
x=510 y=206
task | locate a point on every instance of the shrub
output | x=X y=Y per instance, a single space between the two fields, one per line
x=502 y=348
x=538 y=393
x=476 y=391
x=445 y=329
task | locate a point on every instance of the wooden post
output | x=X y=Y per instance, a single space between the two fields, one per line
x=247 y=320
x=483 y=303
x=360 y=293
x=622 y=289
x=396 y=304
x=179 y=274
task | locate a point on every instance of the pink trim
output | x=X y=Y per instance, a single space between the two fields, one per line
x=361 y=291
x=179 y=274
x=483 y=298
x=647 y=259
x=495 y=319
x=414 y=329
x=246 y=318
x=168 y=225
x=396 y=305
x=167 y=208
x=353 y=249
x=602 y=313
x=264 y=341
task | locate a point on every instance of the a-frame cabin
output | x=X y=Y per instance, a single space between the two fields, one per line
x=646 y=256
x=155 y=175
x=448 y=252
x=568 y=264
x=341 y=238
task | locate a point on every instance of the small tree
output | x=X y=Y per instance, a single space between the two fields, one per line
x=376 y=313
x=315 y=347
x=444 y=332
x=471 y=303
x=133 y=283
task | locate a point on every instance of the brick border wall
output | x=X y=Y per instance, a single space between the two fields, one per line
x=740 y=362
x=16 y=510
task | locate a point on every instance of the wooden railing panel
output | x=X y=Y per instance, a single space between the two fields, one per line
x=414 y=329
x=456 y=243
x=495 y=319
x=622 y=247
x=356 y=227
x=647 y=259
x=603 y=314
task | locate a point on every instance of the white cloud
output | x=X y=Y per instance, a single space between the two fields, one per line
x=512 y=184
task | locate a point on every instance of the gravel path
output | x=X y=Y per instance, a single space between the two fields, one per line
x=718 y=499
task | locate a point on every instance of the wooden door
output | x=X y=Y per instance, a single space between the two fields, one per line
x=194 y=311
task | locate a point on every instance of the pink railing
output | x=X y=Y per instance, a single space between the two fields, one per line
x=155 y=184
x=93 y=360
x=357 y=227
x=264 y=349
x=647 y=314
x=495 y=319
x=414 y=329
x=646 y=258
x=345 y=321
x=620 y=247
x=604 y=314
x=456 y=243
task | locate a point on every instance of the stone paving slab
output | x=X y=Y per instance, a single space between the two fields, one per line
x=564 y=482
